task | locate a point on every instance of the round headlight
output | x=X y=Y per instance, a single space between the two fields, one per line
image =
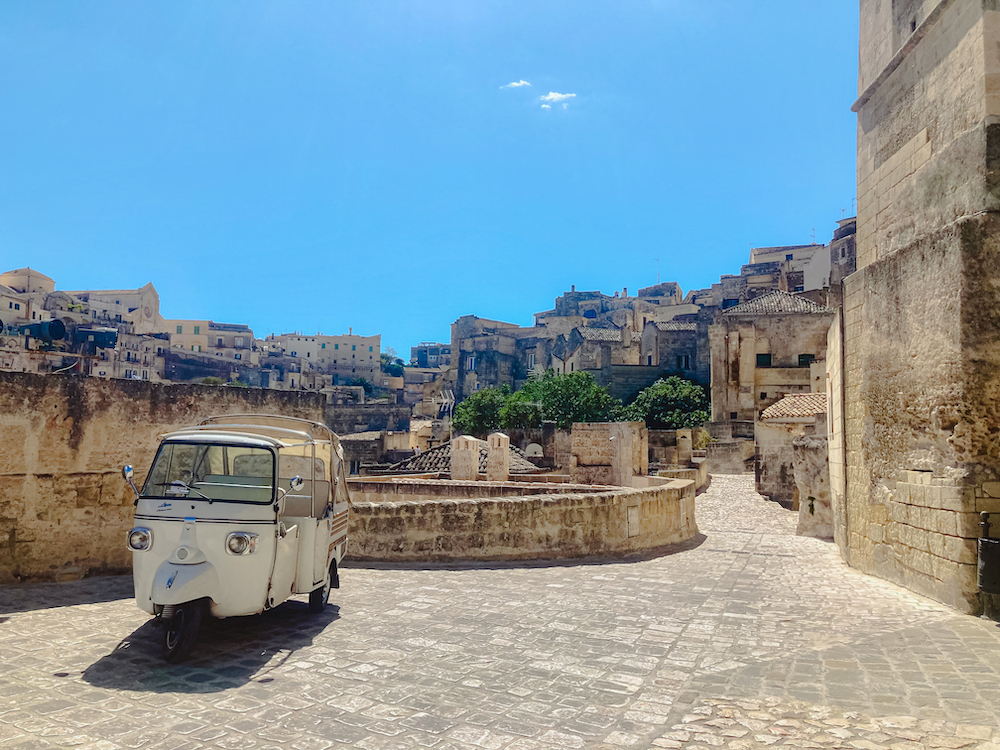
x=182 y=553
x=238 y=544
x=140 y=539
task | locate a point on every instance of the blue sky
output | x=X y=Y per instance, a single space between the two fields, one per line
x=314 y=166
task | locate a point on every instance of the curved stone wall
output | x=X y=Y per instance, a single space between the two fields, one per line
x=601 y=522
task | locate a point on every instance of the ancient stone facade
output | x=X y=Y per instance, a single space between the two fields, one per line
x=764 y=350
x=64 y=507
x=921 y=332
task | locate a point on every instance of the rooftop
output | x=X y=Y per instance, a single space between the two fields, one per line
x=777 y=303
x=673 y=325
x=797 y=406
x=439 y=459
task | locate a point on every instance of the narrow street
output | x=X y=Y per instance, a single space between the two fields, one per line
x=748 y=636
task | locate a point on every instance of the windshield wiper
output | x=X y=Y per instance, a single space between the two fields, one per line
x=184 y=486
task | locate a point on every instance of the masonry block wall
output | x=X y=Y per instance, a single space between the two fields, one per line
x=64 y=507
x=609 y=453
x=922 y=313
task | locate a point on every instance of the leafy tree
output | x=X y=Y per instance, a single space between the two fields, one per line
x=572 y=397
x=522 y=410
x=479 y=414
x=670 y=404
x=211 y=381
x=237 y=384
x=391 y=364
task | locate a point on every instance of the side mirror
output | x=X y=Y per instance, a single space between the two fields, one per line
x=127 y=472
x=295 y=483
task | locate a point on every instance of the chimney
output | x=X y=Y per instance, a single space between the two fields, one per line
x=350 y=331
x=572 y=287
x=625 y=291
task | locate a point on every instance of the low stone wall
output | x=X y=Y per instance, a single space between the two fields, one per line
x=389 y=490
x=614 y=522
x=729 y=457
x=64 y=507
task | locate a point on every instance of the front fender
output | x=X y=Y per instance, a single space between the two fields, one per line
x=176 y=584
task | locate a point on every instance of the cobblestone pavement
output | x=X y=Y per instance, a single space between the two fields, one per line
x=746 y=637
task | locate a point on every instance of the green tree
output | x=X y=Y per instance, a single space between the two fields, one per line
x=211 y=381
x=670 y=404
x=479 y=414
x=572 y=397
x=391 y=364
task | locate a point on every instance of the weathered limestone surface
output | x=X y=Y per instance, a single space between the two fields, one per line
x=812 y=478
x=619 y=521
x=465 y=459
x=921 y=346
x=609 y=453
x=776 y=457
x=498 y=458
x=64 y=507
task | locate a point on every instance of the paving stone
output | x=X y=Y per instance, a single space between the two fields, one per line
x=747 y=637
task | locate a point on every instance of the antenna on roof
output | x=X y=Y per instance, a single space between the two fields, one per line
x=813 y=235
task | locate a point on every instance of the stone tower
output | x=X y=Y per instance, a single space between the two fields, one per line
x=915 y=443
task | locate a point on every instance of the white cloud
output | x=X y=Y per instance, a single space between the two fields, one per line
x=546 y=106
x=554 y=96
x=516 y=84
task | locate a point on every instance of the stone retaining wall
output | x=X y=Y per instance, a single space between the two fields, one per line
x=390 y=489
x=64 y=507
x=614 y=522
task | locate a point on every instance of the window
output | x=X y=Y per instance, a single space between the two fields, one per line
x=763 y=396
x=763 y=360
x=733 y=415
x=788 y=257
x=806 y=359
x=218 y=342
x=353 y=347
x=649 y=359
x=17 y=305
x=336 y=346
x=531 y=361
x=322 y=346
x=180 y=329
x=370 y=349
x=470 y=364
x=197 y=330
x=239 y=356
x=294 y=354
x=145 y=374
x=239 y=342
x=683 y=361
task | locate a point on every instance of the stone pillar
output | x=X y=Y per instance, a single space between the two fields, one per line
x=684 y=447
x=465 y=458
x=498 y=458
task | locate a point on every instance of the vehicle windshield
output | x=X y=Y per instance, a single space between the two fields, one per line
x=205 y=471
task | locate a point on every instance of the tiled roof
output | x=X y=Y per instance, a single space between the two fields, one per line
x=673 y=325
x=802 y=405
x=372 y=435
x=777 y=302
x=601 y=334
x=439 y=459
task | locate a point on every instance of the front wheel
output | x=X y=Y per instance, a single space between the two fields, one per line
x=319 y=598
x=182 y=632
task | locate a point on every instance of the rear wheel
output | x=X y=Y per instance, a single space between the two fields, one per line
x=181 y=632
x=319 y=598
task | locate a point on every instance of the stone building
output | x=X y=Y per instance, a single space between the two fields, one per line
x=764 y=350
x=915 y=444
x=775 y=434
x=345 y=357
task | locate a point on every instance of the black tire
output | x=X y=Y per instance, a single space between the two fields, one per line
x=319 y=598
x=181 y=632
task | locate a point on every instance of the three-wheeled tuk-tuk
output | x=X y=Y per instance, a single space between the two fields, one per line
x=236 y=515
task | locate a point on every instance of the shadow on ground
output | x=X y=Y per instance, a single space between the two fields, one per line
x=651 y=554
x=229 y=653
x=32 y=596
